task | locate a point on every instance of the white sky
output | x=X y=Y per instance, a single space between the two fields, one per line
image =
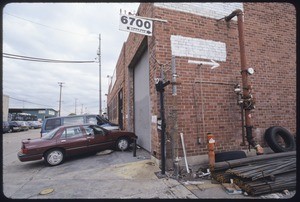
x=61 y=31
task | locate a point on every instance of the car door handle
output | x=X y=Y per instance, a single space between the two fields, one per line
x=62 y=140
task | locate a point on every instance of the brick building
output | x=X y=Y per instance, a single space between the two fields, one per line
x=205 y=100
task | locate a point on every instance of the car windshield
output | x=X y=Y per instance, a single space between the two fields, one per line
x=50 y=134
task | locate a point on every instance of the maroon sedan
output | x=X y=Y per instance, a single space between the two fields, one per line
x=71 y=140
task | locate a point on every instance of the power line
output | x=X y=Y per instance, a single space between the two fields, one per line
x=35 y=59
x=47 y=26
x=29 y=102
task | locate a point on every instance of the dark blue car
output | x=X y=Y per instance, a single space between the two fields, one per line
x=14 y=126
x=5 y=125
x=54 y=122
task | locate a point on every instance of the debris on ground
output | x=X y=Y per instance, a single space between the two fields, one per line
x=105 y=152
x=267 y=176
x=193 y=182
x=232 y=188
x=260 y=174
x=46 y=191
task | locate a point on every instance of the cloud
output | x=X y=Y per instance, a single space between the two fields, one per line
x=66 y=31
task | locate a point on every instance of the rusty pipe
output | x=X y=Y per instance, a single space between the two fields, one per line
x=233 y=14
x=246 y=84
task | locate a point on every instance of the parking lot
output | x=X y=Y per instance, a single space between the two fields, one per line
x=108 y=174
x=113 y=175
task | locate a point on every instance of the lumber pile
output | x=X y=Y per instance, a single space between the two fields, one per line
x=259 y=174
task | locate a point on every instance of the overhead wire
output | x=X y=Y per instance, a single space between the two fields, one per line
x=35 y=59
x=47 y=26
x=29 y=102
x=52 y=107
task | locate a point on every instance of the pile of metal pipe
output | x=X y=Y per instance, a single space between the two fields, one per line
x=259 y=174
x=264 y=169
x=286 y=181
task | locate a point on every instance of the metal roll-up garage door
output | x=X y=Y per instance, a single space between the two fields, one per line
x=142 y=118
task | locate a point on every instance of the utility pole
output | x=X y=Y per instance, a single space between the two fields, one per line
x=75 y=104
x=99 y=57
x=60 y=85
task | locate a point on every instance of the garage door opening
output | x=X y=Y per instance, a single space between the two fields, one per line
x=142 y=117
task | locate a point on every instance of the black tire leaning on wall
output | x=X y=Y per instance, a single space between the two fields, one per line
x=271 y=139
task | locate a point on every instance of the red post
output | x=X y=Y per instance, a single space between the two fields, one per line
x=211 y=150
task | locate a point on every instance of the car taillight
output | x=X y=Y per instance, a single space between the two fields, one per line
x=24 y=150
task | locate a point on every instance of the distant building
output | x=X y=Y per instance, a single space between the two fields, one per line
x=40 y=113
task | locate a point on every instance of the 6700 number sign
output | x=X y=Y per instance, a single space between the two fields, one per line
x=135 y=24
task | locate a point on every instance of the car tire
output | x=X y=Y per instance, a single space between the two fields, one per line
x=54 y=157
x=122 y=144
x=271 y=137
x=230 y=155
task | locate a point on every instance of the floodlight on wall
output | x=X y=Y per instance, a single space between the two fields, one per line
x=250 y=71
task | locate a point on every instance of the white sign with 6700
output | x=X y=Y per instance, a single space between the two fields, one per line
x=131 y=23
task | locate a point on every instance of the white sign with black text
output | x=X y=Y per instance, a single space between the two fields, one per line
x=131 y=23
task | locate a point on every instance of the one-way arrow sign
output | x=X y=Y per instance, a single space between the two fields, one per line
x=213 y=64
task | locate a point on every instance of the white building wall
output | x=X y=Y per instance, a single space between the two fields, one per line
x=198 y=48
x=210 y=10
x=5 y=105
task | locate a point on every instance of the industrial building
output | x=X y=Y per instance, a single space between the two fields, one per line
x=198 y=50
x=38 y=113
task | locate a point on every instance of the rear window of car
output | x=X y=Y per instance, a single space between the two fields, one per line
x=73 y=120
x=71 y=132
x=52 y=123
x=51 y=134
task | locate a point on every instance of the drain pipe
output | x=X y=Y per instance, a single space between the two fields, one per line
x=248 y=102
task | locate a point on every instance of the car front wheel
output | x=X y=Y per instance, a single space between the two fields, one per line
x=122 y=144
x=54 y=157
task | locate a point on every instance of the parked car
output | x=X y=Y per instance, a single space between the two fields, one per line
x=30 y=123
x=65 y=141
x=14 y=126
x=24 y=126
x=52 y=123
x=5 y=127
x=34 y=124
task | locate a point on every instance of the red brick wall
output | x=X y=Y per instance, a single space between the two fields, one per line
x=272 y=51
x=270 y=39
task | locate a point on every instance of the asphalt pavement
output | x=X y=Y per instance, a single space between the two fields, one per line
x=106 y=175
